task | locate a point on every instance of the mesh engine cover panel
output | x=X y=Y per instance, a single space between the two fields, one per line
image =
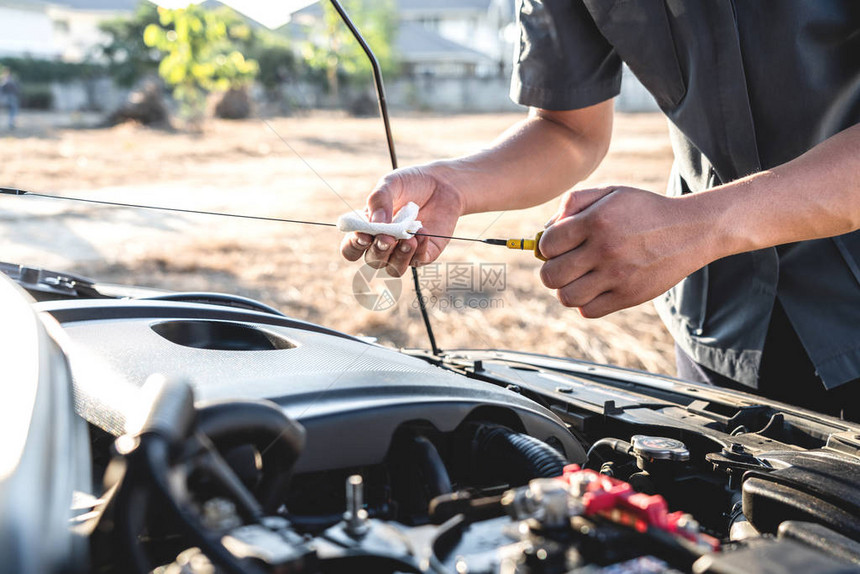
x=350 y=395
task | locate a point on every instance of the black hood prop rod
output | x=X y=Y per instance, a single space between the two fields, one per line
x=383 y=110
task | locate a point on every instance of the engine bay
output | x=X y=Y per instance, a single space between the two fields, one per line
x=273 y=445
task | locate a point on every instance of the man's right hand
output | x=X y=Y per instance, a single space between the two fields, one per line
x=441 y=205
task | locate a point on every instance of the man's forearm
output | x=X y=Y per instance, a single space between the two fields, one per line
x=532 y=162
x=816 y=195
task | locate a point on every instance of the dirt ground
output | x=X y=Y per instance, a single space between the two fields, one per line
x=313 y=167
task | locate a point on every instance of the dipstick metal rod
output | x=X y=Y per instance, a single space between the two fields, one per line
x=13 y=191
x=522 y=244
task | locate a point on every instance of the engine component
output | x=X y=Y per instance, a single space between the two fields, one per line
x=272 y=545
x=355 y=515
x=515 y=458
x=734 y=460
x=822 y=538
x=772 y=556
x=546 y=500
x=447 y=506
x=417 y=471
x=649 y=448
x=426 y=455
x=608 y=445
x=378 y=389
x=578 y=522
x=277 y=438
x=616 y=500
x=808 y=487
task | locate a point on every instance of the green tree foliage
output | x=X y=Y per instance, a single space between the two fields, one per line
x=200 y=55
x=272 y=52
x=340 y=55
x=276 y=59
x=129 y=58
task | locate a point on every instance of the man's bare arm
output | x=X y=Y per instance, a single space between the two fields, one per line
x=616 y=247
x=534 y=161
x=816 y=195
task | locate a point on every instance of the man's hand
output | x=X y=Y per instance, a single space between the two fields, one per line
x=534 y=161
x=615 y=247
x=440 y=206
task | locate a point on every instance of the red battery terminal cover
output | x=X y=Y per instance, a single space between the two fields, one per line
x=617 y=501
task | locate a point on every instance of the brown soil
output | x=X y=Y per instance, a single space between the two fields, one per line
x=267 y=168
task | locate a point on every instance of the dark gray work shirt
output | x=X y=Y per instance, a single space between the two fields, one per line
x=747 y=85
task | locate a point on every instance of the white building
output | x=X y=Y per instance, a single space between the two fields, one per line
x=446 y=38
x=26 y=29
x=61 y=29
x=477 y=27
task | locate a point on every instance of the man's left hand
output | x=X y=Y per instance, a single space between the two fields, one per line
x=615 y=247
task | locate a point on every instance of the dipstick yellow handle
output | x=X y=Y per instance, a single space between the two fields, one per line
x=527 y=245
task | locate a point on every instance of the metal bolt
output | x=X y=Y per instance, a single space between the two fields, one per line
x=687 y=523
x=355 y=516
x=220 y=514
x=579 y=483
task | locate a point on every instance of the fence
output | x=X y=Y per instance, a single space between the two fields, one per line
x=420 y=93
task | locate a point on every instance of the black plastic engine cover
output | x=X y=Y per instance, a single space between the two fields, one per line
x=350 y=395
x=814 y=487
x=773 y=557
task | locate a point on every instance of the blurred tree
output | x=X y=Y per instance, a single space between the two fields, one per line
x=200 y=55
x=276 y=59
x=129 y=58
x=340 y=55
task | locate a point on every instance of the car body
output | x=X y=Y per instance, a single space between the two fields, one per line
x=434 y=437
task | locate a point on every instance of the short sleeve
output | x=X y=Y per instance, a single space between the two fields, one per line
x=563 y=62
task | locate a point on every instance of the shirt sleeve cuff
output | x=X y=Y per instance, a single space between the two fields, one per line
x=570 y=99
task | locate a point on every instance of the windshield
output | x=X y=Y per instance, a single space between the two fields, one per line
x=290 y=129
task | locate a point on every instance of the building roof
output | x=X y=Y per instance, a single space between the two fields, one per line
x=99 y=5
x=417 y=43
x=30 y=5
x=443 y=5
x=422 y=6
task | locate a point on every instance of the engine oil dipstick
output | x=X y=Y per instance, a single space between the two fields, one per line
x=521 y=244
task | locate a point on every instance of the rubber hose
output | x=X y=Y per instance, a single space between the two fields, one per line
x=608 y=444
x=516 y=458
x=431 y=467
x=263 y=424
x=171 y=413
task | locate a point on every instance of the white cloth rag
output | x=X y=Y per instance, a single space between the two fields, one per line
x=403 y=226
